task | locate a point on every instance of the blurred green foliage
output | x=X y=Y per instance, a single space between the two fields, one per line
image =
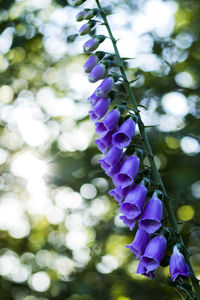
x=60 y=232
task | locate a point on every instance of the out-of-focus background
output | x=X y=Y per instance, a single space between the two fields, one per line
x=61 y=237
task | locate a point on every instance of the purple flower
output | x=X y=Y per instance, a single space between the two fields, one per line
x=93 y=99
x=124 y=134
x=97 y=73
x=113 y=156
x=143 y=271
x=152 y=215
x=119 y=193
x=104 y=142
x=85 y=29
x=114 y=169
x=154 y=253
x=127 y=172
x=109 y=122
x=140 y=242
x=177 y=265
x=134 y=202
x=128 y=222
x=100 y=109
x=90 y=63
x=105 y=87
x=103 y=164
x=79 y=16
x=91 y=45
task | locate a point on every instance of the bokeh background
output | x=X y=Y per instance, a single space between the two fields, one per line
x=61 y=237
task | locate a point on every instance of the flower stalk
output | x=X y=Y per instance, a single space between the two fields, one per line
x=155 y=172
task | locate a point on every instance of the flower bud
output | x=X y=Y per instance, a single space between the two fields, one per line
x=89 y=14
x=90 y=63
x=80 y=15
x=97 y=73
x=105 y=87
x=91 y=45
x=85 y=29
x=77 y=2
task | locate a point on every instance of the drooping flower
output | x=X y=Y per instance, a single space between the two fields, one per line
x=177 y=265
x=109 y=122
x=127 y=172
x=90 y=63
x=124 y=134
x=152 y=215
x=113 y=156
x=134 y=201
x=114 y=169
x=143 y=271
x=97 y=73
x=154 y=253
x=93 y=99
x=105 y=87
x=128 y=222
x=119 y=193
x=104 y=142
x=104 y=164
x=140 y=242
x=100 y=109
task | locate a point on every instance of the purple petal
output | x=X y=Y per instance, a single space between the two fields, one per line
x=124 y=135
x=177 y=265
x=97 y=73
x=100 y=109
x=140 y=242
x=143 y=271
x=134 y=202
x=93 y=99
x=104 y=142
x=127 y=172
x=152 y=215
x=119 y=193
x=128 y=222
x=105 y=87
x=109 y=122
x=154 y=253
x=113 y=156
x=103 y=164
x=90 y=63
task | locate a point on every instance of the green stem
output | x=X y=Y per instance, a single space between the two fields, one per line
x=147 y=146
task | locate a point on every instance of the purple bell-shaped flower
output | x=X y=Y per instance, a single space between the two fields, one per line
x=154 y=253
x=128 y=222
x=93 y=99
x=97 y=73
x=140 y=242
x=103 y=164
x=124 y=134
x=127 y=172
x=119 y=193
x=100 y=109
x=152 y=215
x=134 y=202
x=105 y=87
x=109 y=122
x=104 y=142
x=143 y=271
x=177 y=265
x=113 y=156
x=90 y=63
